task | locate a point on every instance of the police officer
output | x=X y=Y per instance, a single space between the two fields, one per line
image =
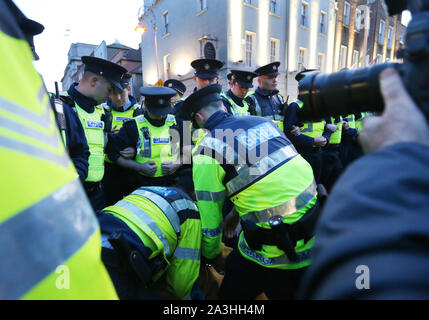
x=332 y=165
x=152 y=238
x=155 y=137
x=266 y=101
x=50 y=243
x=118 y=181
x=312 y=136
x=100 y=79
x=272 y=188
x=233 y=99
x=179 y=87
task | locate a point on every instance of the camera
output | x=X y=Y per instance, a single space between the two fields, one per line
x=354 y=91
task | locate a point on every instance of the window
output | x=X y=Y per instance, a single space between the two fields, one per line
x=381 y=32
x=343 y=57
x=250 y=47
x=167 y=66
x=355 y=62
x=248 y=1
x=203 y=4
x=322 y=28
x=273 y=6
x=320 y=57
x=379 y=58
x=389 y=37
x=301 y=59
x=346 y=17
x=304 y=14
x=274 y=49
x=401 y=37
x=165 y=19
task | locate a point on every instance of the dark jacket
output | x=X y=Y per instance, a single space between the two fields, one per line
x=376 y=217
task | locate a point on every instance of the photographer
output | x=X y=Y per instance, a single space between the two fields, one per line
x=377 y=247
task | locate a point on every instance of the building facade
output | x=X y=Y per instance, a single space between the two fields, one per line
x=246 y=34
x=125 y=56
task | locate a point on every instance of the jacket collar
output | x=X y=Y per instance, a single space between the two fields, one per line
x=215 y=119
x=266 y=93
x=82 y=101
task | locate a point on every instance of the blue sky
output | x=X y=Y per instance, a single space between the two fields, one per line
x=89 y=21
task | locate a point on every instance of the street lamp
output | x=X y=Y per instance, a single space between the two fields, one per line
x=149 y=16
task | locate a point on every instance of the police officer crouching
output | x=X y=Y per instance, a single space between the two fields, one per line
x=151 y=242
x=155 y=137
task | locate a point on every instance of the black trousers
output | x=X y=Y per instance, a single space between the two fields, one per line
x=332 y=168
x=245 y=280
x=95 y=193
x=315 y=159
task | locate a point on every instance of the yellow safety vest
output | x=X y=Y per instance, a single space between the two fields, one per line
x=49 y=237
x=311 y=129
x=235 y=108
x=155 y=143
x=118 y=117
x=96 y=139
x=359 y=121
x=336 y=136
x=351 y=120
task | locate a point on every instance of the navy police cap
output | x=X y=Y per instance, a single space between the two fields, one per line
x=125 y=80
x=176 y=85
x=31 y=28
x=201 y=98
x=109 y=70
x=271 y=69
x=206 y=68
x=244 y=78
x=158 y=99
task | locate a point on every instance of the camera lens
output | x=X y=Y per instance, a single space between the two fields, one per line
x=341 y=93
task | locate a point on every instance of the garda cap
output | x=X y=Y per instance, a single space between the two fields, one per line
x=125 y=81
x=31 y=28
x=271 y=69
x=244 y=78
x=113 y=72
x=201 y=98
x=176 y=85
x=158 y=99
x=206 y=68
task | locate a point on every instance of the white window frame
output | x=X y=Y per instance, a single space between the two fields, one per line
x=302 y=53
x=381 y=30
x=303 y=15
x=346 y=14
x=323 y=18
x=355 y=59
x=389 y=37
x=343 y=57
x=165 y=21
x=274 y=5
x=320 y=60
x=276 y=42
x=249 y=63
x=202 y=4
x=167 y=66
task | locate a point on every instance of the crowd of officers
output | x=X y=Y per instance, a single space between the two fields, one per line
x=171 y=196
